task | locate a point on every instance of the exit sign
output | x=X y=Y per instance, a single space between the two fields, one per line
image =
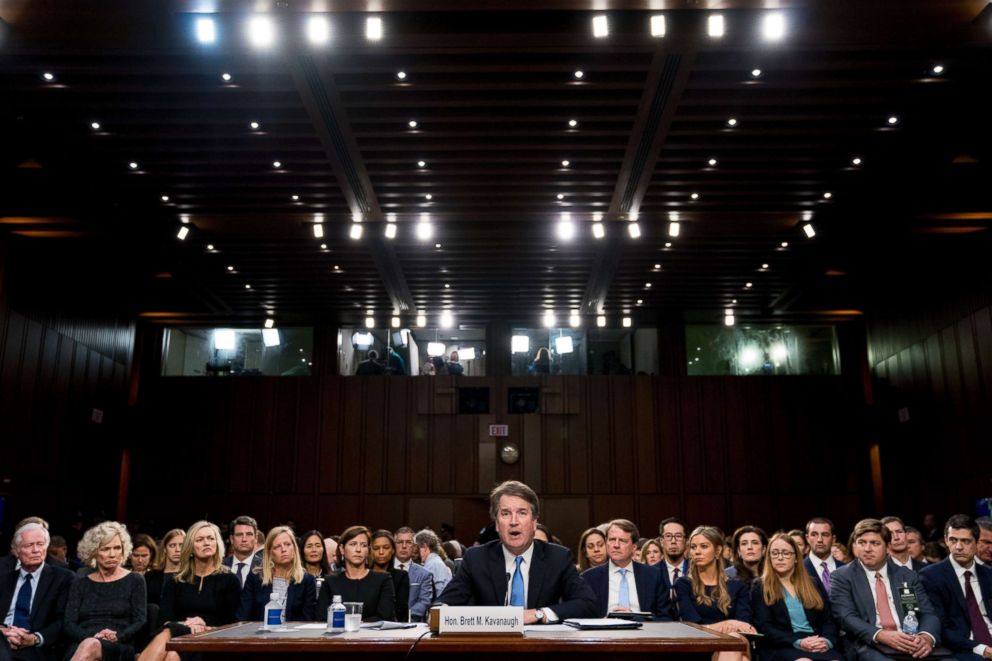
x=499 y=430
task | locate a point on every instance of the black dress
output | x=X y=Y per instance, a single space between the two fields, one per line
x=94 y=606
x=375 y=591
x=692 y=611
x=214 y=598
x=154 y=581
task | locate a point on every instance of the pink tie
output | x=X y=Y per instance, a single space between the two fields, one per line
x=882 y=604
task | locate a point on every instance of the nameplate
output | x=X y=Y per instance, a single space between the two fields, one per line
x=486 y=620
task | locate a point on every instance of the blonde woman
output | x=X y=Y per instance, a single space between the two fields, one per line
x=651 y=553
x=166 y=564
x=107 y=607
x=789 y=610
x=706 y=596
x=202 y=595
x=280 y=572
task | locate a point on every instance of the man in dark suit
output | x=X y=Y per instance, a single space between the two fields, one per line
x=32 y=599
x=622 y=585
x=672 y=533
x=961 y=591
x=899 y=545
x=866 y=598
x=820 y=563
x=243 y=557
x=518 y=570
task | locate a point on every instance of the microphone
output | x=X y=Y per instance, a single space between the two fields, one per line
x=506 y=600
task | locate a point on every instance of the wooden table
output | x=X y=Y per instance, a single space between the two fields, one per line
x=243 y=641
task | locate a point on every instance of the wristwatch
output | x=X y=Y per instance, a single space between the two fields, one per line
x=539 y=615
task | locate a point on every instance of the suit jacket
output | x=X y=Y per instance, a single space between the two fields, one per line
x=421 y=591
x=773 y=621
x=301 y=599
x=256 y=561
x=943 y=588
x=817 y=580
x=48 y=607
x=853 y=606
x=553 y=581
x=652 y=595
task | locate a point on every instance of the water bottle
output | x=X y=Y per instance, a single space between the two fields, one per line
x=274 y=614
x=335 y=616
x=910 y=624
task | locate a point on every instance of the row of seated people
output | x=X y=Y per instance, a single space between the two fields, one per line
x=801 y=612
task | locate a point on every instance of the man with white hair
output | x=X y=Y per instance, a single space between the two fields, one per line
x=32 y=598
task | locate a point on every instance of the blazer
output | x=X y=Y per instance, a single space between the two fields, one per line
x=652 y=595
x=553 y=581
x=256 y=561
x=48 y=607
x=817 y=580
x=301 y=599
x=691 y=611
x=944 y=589
x=854 y=607
x=667 y=577
x=773 y=621
x=421 y=592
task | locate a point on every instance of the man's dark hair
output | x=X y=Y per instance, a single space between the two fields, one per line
x=821 y=520
x=961 y=521
x=373 y=354
x=886 y=520
x=865 y=526
x=513 y=488
x=244 y=521
x=58 y=542
x=672 y=519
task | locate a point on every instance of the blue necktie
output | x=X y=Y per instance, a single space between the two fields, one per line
x=22 y=607
x=517 y=586
x=624 y=600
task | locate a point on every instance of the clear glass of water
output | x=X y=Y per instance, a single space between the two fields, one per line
x=352 y=615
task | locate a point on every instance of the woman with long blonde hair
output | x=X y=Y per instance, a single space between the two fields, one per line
x=789 y=610
x=281 y=572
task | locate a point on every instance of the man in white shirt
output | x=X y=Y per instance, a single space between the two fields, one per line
x=962 y=592
x=672 y=533
x=243 y=557
x=421 y=581
x=820 y=563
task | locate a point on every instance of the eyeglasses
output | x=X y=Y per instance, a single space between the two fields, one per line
x=673 y=537
x=781 y=554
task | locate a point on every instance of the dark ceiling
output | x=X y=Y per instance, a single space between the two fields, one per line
x=492 y=92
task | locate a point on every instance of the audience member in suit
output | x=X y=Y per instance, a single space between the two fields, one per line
x=421 y=581
x=961 y=591
x=383 y=551
x=454 y=367
x=314 y=560
x=592 y=549
x=202 y=595
x=279 y=572
x=58 y=554
x=788 y=609
x=914 y=544
x=651 y=553
x=750 y=544
x=672 y=533
x=358 y=582
x=142 y=554
x=166 y=564
x=865 y=601
x=898 y=548
x=9 y=561
x=707 y=597
x=820 y=563
x=622 y=585
x=33 y=594
x=243 y=558
x=107 y=608
x=984 y=540
x=518 y=570
x=433 y=558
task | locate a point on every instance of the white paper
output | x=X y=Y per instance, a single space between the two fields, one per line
x=548 y=627
x=303 y=627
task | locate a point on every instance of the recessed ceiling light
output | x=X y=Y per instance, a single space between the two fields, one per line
x=734 y=301
x=295 y=198
x=785 y=244
x=247 y=286
x=807 y=215
x=893 y=120
x=261 y=31
x=937 y=69
x=598 y=231
x=565 y=164
x=600 y=27
x=773 y=26
x=657 y=267
x=390 y=230
x=732 y=121
x=715 y=26
x=573 y=123
x=210 y=246
x=827 y=195
x=401 y=75
x=48 y=76
x=226 y=77
x=658 y=25
x=421 y=164
x=428 y=197
x=566 y=228
x=164 y=198
x=424 y=230
x=318 y=30
x=674 y=228
x=711 y=162
x=437 y=245
x=277 y=164
x=447 y=286
x=355 y=232
x=183 y=233
x=373 y=28
x=647 y=285
x=640 y=301
x=206 y=30
x=748 y=285
x=856 y=161
x=318 y=231
x=764 y=266
x=579 y=74
x=809 y=231
x=133 y=165
x=668 y=244
x=634 y=230
x=254 y=125
x=323 y=246
x=95 y=126
x=625 y=322
x=412 y=124
x=230 y=268
x=756 y=73
x=560 y=196
x=695 y=196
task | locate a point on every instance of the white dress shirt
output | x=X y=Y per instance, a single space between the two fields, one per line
x=977 y=589
x=888 y=592
x=671 y=571
x=818 y=563
x=511 y=567
x=614 y=598
x=8 y=620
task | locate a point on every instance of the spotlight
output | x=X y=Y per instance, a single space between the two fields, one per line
x=318 y=30
x=206 y=30
x=261 y=31
x=373 y=28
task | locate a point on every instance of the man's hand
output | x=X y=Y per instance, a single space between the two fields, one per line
x=814 y=644
x=529 y=617
x=923 y=647
x=899 y=640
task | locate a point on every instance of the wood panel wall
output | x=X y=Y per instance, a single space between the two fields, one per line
x=331 y=451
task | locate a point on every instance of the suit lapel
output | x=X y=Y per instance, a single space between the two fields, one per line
x=44 y=583
x=891 y=568
x=864 y=599
x=497 y=568
x=984 y=582
x=535 y=576
x=7 y=592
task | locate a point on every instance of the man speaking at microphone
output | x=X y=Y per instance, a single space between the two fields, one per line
x=518 y=570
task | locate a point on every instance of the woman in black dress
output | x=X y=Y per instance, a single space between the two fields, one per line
x=706 y=596
x=314 y=559
x=383 y=551
x=106 y=608
x=280 y=572
x=750 y=544
x=166 y=565
x=358 y=582
x=789 y=610
x=203 y=594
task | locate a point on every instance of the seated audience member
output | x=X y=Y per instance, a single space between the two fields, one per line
x=961 y=591
x=358 y=582
x=9 y=562
x=142 y=554
x=371 y=365
x=934 y=552
x=280 y=572
x=166 y=564
x=671 y=534
x=898 y=547
x=820 y=564
x=421 y=581
x=866 y=603
x=556 y=593
x=750 y=544
x=707 y=596
x=592 y=549
x=58 y=553
x=314 y=560
x=914 y=544
x=454 y=367
x=543 y=533
x=108 y=607
x=331 y=552
x=788 y=609
x=651 y=553
x=244 y=556
x=622 y=585
x=840 y=553
x=800 y=538
x=202 y=595
x=33 y=595
x=440 y=367
x=432 y=558
x=383 y=551
x=541 y=363
x=984 y=540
